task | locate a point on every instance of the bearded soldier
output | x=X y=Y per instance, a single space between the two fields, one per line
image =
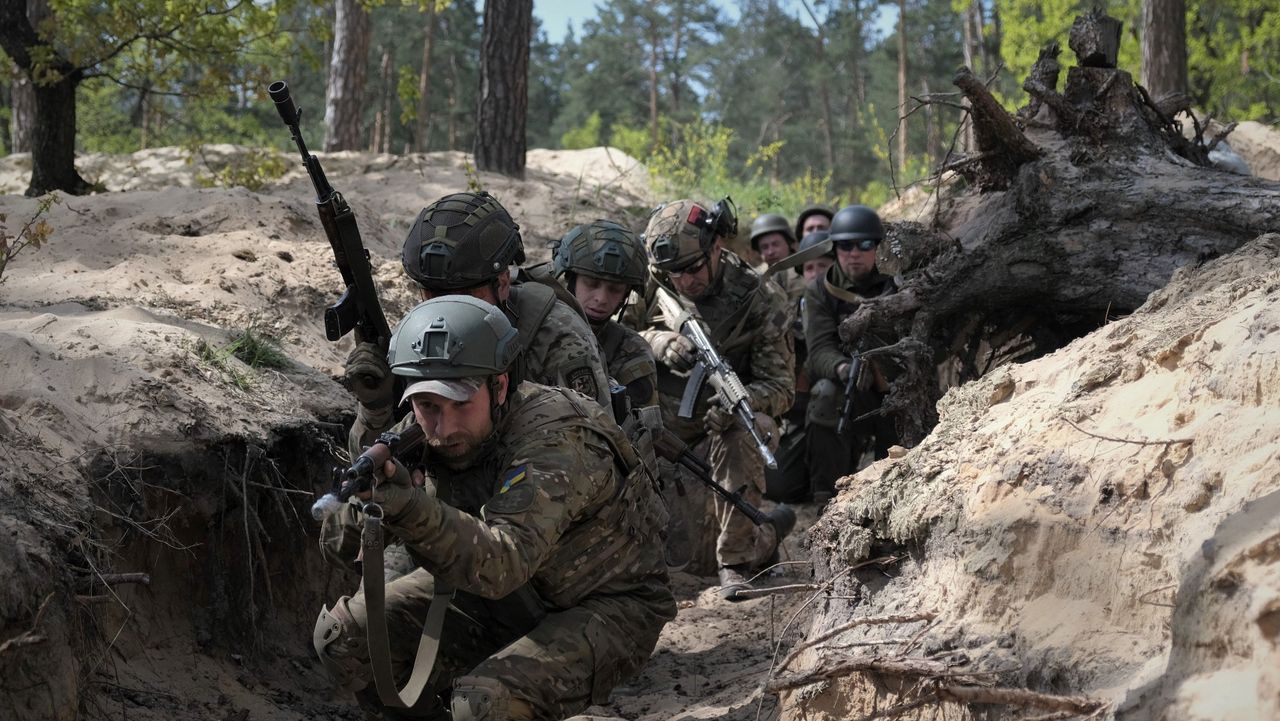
x=466 y=243
x=746 y=318
x=532 y=510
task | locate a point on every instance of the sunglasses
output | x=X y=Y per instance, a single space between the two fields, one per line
x=863 y=244
x=689 y=269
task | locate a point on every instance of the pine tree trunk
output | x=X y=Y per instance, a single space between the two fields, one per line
x=380 y=139
x=422 y=128
x=344 y=97
x=1164 y=47
x=902 y=83
x=653 y=88
x=504 y=86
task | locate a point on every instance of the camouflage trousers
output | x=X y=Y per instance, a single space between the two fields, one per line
x=736 y=463
x=558 y=662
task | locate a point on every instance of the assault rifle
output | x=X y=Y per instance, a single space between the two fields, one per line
x=711 y=366
x=850 y=388
x=669 y=446
x=359 y=477
x=358 y=309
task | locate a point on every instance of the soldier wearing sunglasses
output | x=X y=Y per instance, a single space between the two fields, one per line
x=856 y=233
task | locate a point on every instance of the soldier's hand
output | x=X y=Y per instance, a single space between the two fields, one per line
x=394 y=492
x=675 y=350
x=718 y=420
x=368 y=376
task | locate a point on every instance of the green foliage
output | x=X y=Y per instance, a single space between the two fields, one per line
x=407 y=93
x=586 y=136
x=35 y=232
x=252 y=348
x=252 y=169
x=633 y=141
x=1233 y=49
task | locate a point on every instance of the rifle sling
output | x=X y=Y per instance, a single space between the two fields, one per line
x=371 y=541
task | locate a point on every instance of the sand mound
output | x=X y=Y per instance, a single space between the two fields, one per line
x=1102 y=521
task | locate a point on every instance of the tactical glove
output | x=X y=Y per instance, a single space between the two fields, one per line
x=718 y=420
x=369 y=378
x=675 y=350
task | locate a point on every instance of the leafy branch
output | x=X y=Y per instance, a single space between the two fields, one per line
x=34 y=233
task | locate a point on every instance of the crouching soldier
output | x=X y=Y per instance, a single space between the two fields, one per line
x=533 y=514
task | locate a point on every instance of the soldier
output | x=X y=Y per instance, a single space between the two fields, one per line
x=813 y=218
x=602 y=263
x=746 y=318
x=465 y=244
x=791 y=481
x=771 y=237
x=856 y=232
x=532 y=507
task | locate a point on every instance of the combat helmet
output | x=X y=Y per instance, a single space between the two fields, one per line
x=856 y=222
x=461 y=241
x=602 y=249
x=814 y=245
x=681 y=233
x=812 y=209
x=451 y=338
x=771 y=223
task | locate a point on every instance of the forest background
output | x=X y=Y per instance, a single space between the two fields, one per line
x=776 y=103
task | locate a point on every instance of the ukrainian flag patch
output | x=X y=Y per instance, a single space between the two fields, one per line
x=512 y=477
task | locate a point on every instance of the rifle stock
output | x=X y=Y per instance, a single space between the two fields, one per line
x=358 y=308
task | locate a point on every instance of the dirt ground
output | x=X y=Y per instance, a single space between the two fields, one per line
x=1100 y=522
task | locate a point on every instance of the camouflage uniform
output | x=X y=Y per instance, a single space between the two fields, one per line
x=559 y=350
x=826 y=303
x=748 y=321
x=552 y=541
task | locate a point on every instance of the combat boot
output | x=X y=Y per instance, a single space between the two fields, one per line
x=783 y=519
x=733 y=579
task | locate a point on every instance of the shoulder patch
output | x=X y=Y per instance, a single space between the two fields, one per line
x=582 y=380
x=513 y=496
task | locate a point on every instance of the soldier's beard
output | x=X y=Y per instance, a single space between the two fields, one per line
x=457 y=450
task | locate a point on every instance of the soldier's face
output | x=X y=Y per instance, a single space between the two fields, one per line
x=773 y=247
x=599 y=298
x=816 y=268
x=456 y=429
x=695 y=284
x=817 y=221
x=856 y=263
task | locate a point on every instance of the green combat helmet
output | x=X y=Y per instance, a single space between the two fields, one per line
x=814 y=245
x=461 y=241
x=449 y=345
x=771 y=223
x=681 y=233
x=812 y=209
x=602 y=249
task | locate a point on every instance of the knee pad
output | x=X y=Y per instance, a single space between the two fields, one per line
x=342 y=648
x=484 y=699
x=824 y=403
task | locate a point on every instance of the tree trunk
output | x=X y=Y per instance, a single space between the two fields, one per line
x=653 y=86
x=23 y=107
x=53 y=134
x=902 y=83
x=380 y=139
x=504 y=86
x=453 y=101
x=344 y=98
x=1164 y=47
x=422 y=127
x=1095 y=213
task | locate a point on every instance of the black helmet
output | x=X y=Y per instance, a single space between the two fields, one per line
x=770 y=223
x=814 y=209
x=461 y=241
x=856 y=222
x=815 y=245
x=603 y=249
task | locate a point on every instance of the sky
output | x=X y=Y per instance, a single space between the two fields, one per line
x=556 y=15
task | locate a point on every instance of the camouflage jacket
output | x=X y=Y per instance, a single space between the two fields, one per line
x=559 y=350
x=748 y=320
x=556 y=500
x=827 y=301
x=630 y=362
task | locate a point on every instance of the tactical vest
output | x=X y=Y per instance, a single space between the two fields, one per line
x=530 y=303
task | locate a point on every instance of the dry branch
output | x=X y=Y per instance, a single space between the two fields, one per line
x=890 y=667
x=29 y=637
x=1018 y=697
x=864 y=621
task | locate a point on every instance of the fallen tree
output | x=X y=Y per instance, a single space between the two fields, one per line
x=1078 y=207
